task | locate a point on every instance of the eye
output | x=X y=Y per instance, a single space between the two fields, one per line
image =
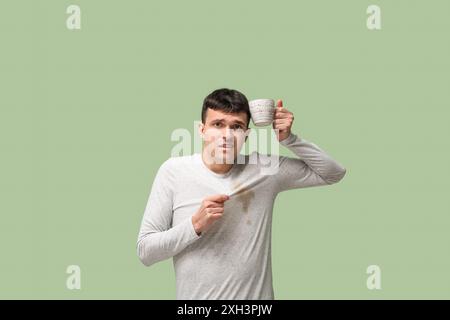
x=217 y=124
x=237 y=126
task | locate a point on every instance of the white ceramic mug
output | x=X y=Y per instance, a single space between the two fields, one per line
x=262 y=111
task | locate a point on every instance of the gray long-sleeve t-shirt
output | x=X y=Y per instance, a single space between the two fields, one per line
x=232 y=259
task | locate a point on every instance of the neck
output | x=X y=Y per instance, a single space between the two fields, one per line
x=219 y=168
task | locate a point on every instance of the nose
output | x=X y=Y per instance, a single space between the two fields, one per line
x=228 y=134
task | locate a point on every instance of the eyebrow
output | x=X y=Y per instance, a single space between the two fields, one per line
x=234 y=121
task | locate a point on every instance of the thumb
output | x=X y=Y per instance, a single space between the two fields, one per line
x=279 y=103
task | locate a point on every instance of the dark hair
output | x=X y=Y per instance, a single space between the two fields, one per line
x=226 y=100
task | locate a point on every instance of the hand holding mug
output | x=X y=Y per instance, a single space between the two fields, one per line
x=282 y=121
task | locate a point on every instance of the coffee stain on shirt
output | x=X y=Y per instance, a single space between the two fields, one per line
x=244 y=195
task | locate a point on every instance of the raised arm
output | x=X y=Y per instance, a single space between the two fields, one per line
x=313 y=167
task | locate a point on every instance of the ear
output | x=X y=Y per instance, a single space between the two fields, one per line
x=201 y=129
x=247 y=132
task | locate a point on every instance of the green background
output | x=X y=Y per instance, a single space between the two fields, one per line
x=86 y=118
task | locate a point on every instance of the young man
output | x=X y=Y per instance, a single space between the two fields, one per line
x=214 y=216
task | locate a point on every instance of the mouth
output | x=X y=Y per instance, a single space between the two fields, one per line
x=226 y=146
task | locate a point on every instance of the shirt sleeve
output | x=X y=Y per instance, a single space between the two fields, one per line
x=313 y=167
x=157 y=240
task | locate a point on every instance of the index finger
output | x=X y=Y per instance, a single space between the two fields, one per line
x=281 y=110
x=218 y=198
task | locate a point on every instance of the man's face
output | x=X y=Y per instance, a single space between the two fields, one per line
x=224 y=134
